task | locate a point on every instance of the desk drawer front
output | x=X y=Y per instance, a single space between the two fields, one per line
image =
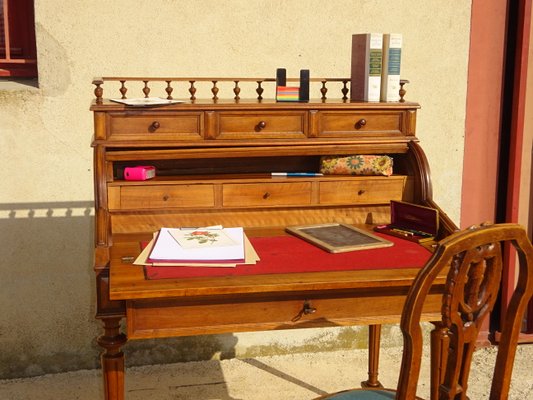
x=161 y=196
x=150 y=319
x=362 y=191
x=355 y=124
x=155 y=126
x=266 y=194
x=278 y=125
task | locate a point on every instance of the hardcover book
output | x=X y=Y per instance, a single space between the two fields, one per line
x=390 y=75
x=367 y=60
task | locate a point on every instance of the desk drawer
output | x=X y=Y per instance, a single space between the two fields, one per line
x=160 y=196
x=362 y=191
x=264 y=125
x=163 y=318
x=135 y=125
x=266 y=194
x=359 y=124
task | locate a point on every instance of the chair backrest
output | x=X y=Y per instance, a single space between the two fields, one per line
x=474 y=265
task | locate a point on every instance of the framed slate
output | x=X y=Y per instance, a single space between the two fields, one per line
x=337 y=237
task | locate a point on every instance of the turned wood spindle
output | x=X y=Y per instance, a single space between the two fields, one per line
x=236 y=90
x=192 y=90
x=344 y=89
x=402 y=90
x=214 y=90
x=123 y=89
x=259 y=90
x=324 y=90
x=169 y=90
x=146 y=89
x=98 y=91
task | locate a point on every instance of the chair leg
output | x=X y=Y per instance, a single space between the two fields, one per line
x=374 y=341
x=439 y=344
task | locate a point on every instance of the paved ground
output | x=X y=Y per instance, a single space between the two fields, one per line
x=297 y=376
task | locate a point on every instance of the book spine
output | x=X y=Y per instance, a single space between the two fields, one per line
x=367 y=62
x=390 y=78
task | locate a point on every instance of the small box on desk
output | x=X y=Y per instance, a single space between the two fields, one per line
x=139 y=173
x=287 y=93
x=411 y=222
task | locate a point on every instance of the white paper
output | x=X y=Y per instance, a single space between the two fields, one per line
x=146 y=101
x=202 y=238
x=166 y=248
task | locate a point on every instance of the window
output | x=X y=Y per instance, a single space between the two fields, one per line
x=18 y=54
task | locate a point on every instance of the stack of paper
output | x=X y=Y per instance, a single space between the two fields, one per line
x=198 y=247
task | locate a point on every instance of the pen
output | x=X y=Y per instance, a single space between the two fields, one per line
x=402 y=232
x=190 y=228
x=296 y=174
x=413 y=231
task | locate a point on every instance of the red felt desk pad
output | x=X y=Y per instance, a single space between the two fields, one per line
x=288 y=254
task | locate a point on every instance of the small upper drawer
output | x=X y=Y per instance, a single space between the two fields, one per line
x=160 y=196
x=359 y=124
x=266 y=194
x=153 y=125
x=264 y=125
x=362 y=190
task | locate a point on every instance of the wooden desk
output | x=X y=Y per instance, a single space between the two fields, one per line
x=214 y=160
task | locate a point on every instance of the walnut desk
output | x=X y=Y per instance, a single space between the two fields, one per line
x=214 y=158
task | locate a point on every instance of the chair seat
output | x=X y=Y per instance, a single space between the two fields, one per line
x=362 y=394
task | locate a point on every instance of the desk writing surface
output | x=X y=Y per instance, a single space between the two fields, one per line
x=128 y=281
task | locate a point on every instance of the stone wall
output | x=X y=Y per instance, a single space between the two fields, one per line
x=47 y=287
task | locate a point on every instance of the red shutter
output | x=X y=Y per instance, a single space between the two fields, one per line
x=18 y=53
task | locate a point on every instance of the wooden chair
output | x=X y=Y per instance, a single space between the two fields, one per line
x=473 y=258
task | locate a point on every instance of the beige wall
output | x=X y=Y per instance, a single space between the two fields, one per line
x=46 y=228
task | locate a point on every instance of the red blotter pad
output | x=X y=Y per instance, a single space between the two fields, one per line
x=411 y=222
x=288 y=254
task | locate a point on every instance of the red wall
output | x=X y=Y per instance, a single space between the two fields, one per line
x=483 y=111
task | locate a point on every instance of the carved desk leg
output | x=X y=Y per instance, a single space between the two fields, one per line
x=112 y=358
x=374 y=339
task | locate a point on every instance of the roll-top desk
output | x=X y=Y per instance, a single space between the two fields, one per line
x=214 y=160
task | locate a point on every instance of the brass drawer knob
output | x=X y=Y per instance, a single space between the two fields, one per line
x=307 y=309
x=359 y=124
x=261 y=125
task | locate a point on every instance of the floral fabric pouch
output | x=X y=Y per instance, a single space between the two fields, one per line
x=356 y=165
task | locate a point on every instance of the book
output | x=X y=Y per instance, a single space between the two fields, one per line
x=390 y=73
x=287 y=93
x=167 y=249
x=367 y=60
